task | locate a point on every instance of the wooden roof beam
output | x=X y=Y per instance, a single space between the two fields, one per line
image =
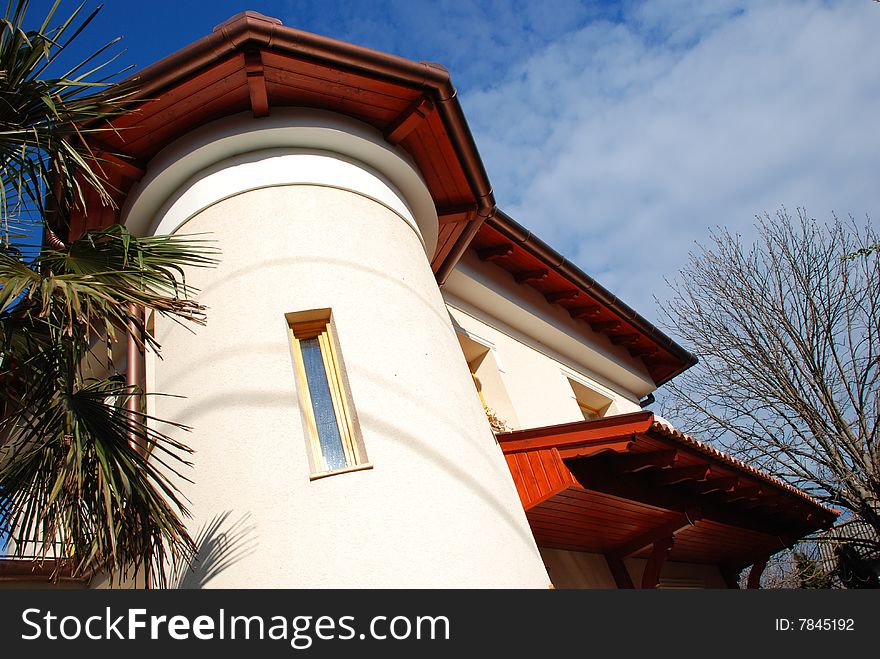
x=256 y=80
x=128 y=167
x=629 y=462
x=408 y=120
x=625 y=339
x=643 y=351
x=716 y=485
x=586 y=311
x=666 y=530
x=591 y=476
x=608 y=432
x=495 y=252
x=605 y=326
x=588 y=449
x=770 y=501
x=559 y=296
x=456 y=213
x=744 y=494
x=531 y=275
x=679 y=474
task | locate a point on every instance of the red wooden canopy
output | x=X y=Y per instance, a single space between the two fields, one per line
x=632 y=486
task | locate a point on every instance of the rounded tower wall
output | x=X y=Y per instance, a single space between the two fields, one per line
x=302 y=228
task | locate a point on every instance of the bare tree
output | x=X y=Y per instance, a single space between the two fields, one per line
x=788 y=333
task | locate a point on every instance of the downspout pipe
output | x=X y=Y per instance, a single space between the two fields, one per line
x=134 y=374
x=463 y=140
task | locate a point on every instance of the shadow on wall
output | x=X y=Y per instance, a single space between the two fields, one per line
x=219 y=545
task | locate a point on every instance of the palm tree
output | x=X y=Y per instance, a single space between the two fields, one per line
x=85 y=480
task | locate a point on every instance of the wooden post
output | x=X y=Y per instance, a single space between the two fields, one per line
x=619 y=572
x=134 y=372
x=730 y=576
x=659 y=554
x=756 y=572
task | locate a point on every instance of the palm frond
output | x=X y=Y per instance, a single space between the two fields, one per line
x=42 y=119
x=76 y=465
x=86 y=480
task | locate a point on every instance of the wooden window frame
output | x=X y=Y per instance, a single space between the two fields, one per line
x=317 y=324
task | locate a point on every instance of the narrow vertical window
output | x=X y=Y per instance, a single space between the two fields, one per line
x=324 y=398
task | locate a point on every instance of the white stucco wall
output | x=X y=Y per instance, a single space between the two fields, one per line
x=490 y=293
x=533 y=370
x=438 y=508
x=577 y=569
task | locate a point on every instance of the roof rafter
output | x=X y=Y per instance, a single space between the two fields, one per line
x=256 y=80
x=666 y=530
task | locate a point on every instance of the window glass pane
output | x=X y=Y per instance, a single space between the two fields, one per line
x=322 y=404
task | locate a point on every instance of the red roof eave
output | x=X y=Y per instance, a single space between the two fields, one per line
x=228 y=71
x=619 y=432
x=602 y=486
x=532 y=262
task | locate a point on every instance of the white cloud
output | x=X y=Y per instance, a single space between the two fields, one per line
x=473 y=38
x=620 y=143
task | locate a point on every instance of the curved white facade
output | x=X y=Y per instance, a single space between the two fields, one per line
x=301 y=229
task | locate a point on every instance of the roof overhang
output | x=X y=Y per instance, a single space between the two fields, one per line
x=254 y=63
x=619 y=485
x=531 y=262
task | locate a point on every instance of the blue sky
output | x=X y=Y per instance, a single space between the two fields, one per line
x=618 y=131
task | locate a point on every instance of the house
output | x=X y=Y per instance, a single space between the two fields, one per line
x=371 y=304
